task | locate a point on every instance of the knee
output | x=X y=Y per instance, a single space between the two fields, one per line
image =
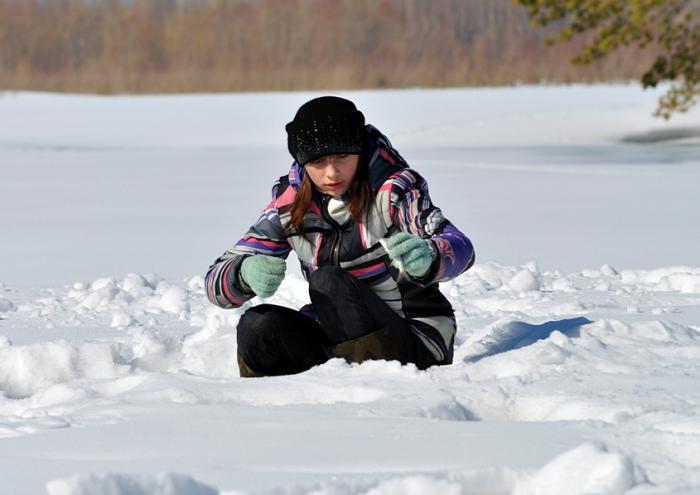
x=327 y=279
x=254 y=326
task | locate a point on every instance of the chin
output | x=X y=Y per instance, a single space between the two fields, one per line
x=336 y=193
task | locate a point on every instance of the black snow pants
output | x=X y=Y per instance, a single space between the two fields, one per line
x=274 y=340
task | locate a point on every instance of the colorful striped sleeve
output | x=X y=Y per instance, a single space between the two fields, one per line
x=267 y=237
x=411 y=210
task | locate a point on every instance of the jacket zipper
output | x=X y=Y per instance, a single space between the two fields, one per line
x=335 y=253
x=335 y=247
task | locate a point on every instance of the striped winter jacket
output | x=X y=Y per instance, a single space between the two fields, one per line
x=401 y=203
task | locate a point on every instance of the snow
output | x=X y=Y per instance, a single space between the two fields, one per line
x=6 y=305
x=121 y=484
x=525 y=280
x=587 y=469
x=578 y=347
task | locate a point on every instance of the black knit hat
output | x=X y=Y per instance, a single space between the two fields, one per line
x=328 y=125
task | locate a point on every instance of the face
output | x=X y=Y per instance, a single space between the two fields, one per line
x=333 y=174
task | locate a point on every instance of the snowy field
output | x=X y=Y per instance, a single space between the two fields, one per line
x=577 y=368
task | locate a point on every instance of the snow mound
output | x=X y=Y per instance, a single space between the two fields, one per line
x=211 y=352
x=136 y=300
x=524 y=281
x=485 y=277
x=129 y=484
x=24 y=370
x=588 y=469
x=147 y=293
x=681 y=279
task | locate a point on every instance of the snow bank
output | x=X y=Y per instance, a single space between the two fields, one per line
x=129 y=484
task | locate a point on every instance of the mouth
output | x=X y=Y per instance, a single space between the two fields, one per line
x=334 y=185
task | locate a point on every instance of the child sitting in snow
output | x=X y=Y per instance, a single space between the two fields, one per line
x=372 y=246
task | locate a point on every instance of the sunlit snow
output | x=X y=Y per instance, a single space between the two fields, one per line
x=577 y=358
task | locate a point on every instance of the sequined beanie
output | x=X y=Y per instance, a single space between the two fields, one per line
x=328 y=125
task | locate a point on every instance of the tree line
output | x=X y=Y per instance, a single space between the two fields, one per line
x=140 y=46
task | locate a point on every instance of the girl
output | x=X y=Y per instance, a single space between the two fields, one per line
x=372 y=246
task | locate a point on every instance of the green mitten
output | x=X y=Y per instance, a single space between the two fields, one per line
x=411 y=251
x=263 y=274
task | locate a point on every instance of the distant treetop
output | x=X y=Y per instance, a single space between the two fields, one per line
x=669 y=29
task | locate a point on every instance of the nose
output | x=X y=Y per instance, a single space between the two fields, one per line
x=331 y=166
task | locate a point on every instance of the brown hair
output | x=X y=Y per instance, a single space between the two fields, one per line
x=360 y=195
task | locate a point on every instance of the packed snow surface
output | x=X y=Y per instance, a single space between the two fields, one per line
x=577 y=362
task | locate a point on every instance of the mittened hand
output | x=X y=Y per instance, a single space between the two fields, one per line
x=411 y=251
x=263 y=274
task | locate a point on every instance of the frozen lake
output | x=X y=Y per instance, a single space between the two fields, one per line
x=96 y=186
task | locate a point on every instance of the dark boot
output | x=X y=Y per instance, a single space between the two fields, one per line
x=245 y=370
x=376 y=345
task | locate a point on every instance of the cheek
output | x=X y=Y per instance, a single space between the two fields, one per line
x=350 y=170
x=314 y=175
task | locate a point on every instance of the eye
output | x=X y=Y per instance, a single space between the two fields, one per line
x=345 y=155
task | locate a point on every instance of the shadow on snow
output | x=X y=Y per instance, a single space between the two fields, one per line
x=517 y=334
